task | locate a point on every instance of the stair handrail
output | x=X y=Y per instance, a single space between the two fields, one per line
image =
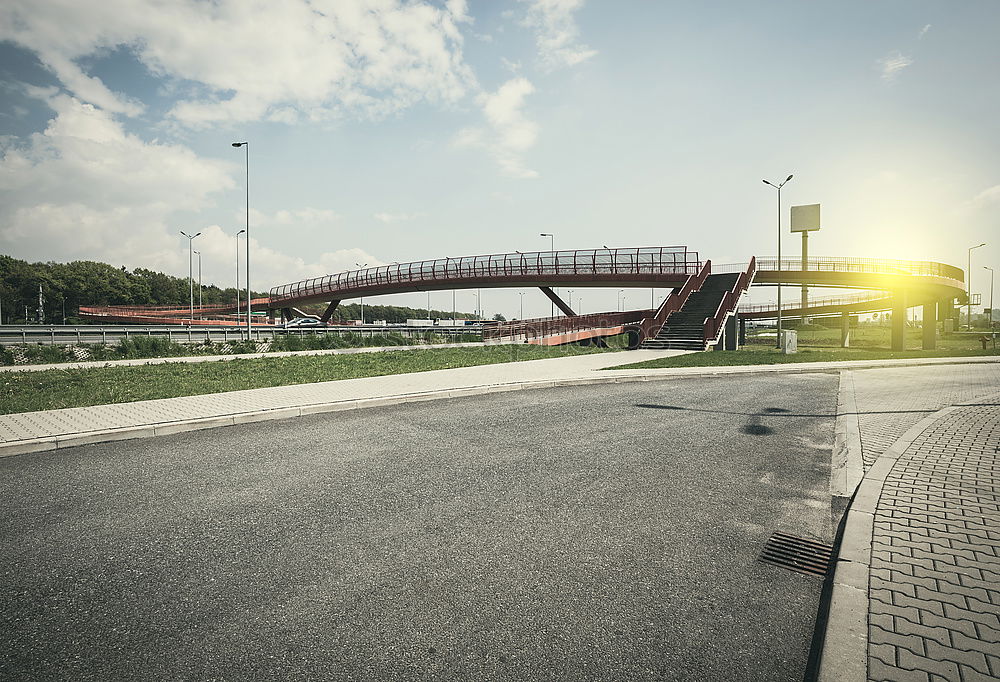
x=729 y=302
x=650 y=326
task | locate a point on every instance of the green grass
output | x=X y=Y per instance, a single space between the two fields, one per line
x=60 y=388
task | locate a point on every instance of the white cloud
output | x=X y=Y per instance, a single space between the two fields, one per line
x=924 y=31
x=268 y=267
x=396 y=217
x=892 y=64
x=987 y=197
x=85 y=188
x=510 y=134
x=556 y=32
x=314 y=59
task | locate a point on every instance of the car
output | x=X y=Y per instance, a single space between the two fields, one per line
x=303 y=322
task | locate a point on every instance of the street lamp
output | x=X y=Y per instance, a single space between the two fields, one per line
x=778 y=187
x=198 y=253
x=552 y=248
x=238 y=273
x=246 y=150
x=621 y=300
x=190 y=268
x=968 y=288
x=985 y=267
x=360 y=266
x=521 y=316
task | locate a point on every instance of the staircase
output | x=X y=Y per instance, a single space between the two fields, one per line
x=685 y=329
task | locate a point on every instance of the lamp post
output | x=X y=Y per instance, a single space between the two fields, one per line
x=778 y=187
x=521 y=315
x=621 y=300
x=238 y=274
x=986 y=267
x=360 y=266
x=190 y=268
x=968 y=288
x=198 y=253
x=552 y=248
x=246 y=150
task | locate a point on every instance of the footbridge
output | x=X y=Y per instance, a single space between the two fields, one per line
x=703 y=310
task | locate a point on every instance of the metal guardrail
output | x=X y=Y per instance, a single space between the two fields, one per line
x=542 y=327
x=592 y=263
x=84 y=334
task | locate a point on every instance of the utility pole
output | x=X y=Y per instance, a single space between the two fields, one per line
x=41 y=309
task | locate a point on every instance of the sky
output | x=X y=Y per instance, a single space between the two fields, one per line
x=392 y=130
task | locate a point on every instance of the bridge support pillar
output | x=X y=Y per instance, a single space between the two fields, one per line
x=845 y=329
x=930 y=325
x=899 y=321
x=561 y=304
x=743 y=332
x=329 y=311
x=729 y=336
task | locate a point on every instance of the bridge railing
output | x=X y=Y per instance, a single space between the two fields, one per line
x=817 y=302
x=729 y=302
x=878 y=266
x=669 y=260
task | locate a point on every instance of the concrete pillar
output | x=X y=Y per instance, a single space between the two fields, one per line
x=845 y=329
x=743 y=332
x=730 y=334
x=930 y=325
x=899 y=321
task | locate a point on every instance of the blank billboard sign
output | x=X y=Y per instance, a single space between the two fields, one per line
x=805 y=218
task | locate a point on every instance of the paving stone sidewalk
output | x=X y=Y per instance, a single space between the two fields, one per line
x=934 y=583
x=889 y=403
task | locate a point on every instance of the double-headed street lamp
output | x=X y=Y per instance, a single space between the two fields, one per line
x=778 y=187
x=987 y=267
x=238 y=272
x=552 y=248
x=246 y=149
x=198 y=253
x=968 y=287
x=360 y=267
x=190 y=238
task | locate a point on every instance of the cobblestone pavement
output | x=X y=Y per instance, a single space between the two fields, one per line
x=890 y=402
x=934 y=583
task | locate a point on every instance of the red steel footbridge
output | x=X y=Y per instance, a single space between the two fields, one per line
x=703 y=309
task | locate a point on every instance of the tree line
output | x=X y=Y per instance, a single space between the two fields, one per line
x=67 y=286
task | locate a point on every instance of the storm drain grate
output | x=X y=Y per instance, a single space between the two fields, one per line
x=797 y=554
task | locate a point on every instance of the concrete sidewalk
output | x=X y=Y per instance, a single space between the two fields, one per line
x=52 y=429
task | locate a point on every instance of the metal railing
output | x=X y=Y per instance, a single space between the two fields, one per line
x=877 y=266
x=864 y=297
x=11 y=335
x=713 y=325
x=596 y=264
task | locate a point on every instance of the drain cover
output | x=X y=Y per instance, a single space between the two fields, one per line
x=797 y=554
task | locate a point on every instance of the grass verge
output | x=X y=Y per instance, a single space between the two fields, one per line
x=771 y=356
x=61 y=388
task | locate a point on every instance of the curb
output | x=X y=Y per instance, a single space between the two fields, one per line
x=147 y=430
x=844 y=657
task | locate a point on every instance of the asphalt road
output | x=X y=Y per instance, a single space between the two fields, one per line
x=598 y=532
